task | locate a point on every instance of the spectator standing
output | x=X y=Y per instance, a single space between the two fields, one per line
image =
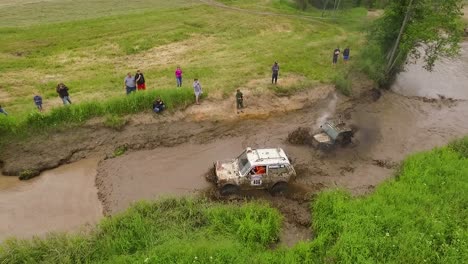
x=239 y=101
x=158 y=105
x=140 y=80
x=62 y=91
x=3 y=111
x=336 y=53
x=346 y=55
x=197 y=89
x=38 y=102
x=275 y=70
x=178 y=75
x=130 y=84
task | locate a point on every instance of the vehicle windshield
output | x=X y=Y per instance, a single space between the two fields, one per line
x=244 y=164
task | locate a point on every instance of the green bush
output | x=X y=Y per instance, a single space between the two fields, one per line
x=460 y=146
x=115 y=122
x=119 y=151
x=343 y=83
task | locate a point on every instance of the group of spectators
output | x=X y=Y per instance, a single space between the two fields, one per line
x=132 y=83
x=336 y=55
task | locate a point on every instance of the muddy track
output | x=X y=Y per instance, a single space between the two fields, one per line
x=169 y=156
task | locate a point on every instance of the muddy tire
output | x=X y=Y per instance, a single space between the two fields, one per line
x=279 y=188
x=229 y=190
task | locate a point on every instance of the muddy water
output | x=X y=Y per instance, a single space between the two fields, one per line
x=448 y=78
x=150 y=174
x=388 y=129
x=62 y=199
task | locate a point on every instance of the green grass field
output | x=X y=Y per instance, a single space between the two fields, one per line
x=418 y=217
x=91 y=45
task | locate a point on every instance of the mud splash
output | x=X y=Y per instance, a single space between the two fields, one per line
x=62 y=199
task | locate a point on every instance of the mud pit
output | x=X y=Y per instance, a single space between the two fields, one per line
x=389 y=129
x=169 y=155
x=59 y=200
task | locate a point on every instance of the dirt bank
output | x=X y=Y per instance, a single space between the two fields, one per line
x=59 y=200
x=212 y=119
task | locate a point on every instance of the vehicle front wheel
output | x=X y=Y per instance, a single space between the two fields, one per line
x=279 y=188
x=229 y=189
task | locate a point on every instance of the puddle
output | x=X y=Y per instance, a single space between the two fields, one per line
x=62 y=199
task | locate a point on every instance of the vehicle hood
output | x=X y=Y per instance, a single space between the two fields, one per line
x=322 y=138
x=227 y=169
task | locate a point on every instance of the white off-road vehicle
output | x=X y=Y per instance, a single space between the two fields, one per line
x=254 y=169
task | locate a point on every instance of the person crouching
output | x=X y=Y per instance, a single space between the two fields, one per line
x=158 y=105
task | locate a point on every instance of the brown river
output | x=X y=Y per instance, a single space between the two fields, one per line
x=399 y=123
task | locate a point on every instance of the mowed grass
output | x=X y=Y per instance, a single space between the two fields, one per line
x=225 y=49
x=15 y=13
x=418 y=217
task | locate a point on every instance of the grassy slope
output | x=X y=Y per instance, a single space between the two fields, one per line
x=32 y=12
x=418 y=218
x=224 y=48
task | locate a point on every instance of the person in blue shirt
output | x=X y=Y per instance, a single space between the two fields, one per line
x=38 y=102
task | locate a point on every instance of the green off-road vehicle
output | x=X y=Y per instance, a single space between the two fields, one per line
x=332 y=133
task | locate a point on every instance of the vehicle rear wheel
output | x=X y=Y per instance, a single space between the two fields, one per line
x=279 y=188
x=229 y=189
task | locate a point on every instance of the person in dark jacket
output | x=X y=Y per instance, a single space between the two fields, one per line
x=140 y=80
x=274 y=72
x=158 y=105
x=62 y=90
x=239 y=101
x=336 y=54
x=346 y=55
x=38 y=102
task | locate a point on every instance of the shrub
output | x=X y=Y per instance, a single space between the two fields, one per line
x=460 y=146
x=28 y=174
x=343 y=83
x=119 y=151
x=115 y=122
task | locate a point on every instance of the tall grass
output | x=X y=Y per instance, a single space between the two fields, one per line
x=36 y=122
x=167 y=231
x=419 y=217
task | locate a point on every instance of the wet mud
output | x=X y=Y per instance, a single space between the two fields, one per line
x=63 y=199
x=170 y=155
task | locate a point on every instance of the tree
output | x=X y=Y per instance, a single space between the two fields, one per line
x=427 y=29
